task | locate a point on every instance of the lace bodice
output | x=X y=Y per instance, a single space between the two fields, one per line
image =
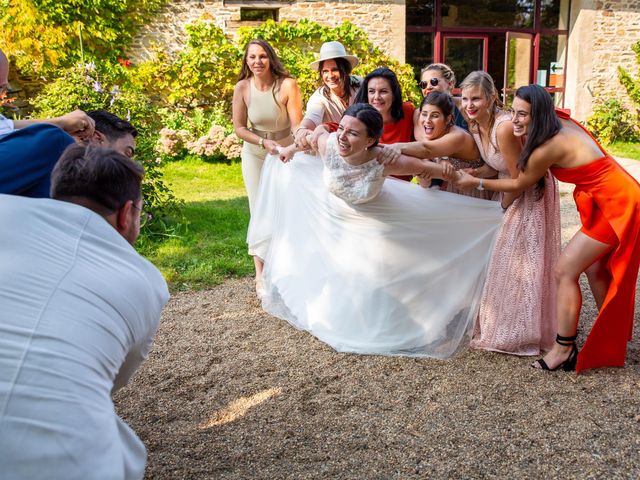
x=493 y=157
x=352 y=183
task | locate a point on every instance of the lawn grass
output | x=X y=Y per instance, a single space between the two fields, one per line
x=213 y=246
x=624 y=149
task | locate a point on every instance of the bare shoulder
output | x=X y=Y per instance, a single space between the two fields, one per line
x=505 y=129
x=458 y=132
x=550 y=152
x=241 y=86
x=289 y=84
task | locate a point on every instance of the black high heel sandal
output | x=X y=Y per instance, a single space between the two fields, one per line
x=569 y=364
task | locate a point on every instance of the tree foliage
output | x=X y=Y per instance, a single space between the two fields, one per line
x=103 y=86
x=43 y=35
x=204 y=73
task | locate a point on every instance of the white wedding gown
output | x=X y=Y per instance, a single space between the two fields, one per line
x=400 y=274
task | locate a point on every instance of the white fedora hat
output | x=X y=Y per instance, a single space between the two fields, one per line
x=330 y=50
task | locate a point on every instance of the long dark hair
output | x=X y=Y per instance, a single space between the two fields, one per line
x=344 y=67
x=371 y=118
x=544 y=124
x=383 y=72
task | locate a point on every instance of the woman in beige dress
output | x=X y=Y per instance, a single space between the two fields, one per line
x=267 y=105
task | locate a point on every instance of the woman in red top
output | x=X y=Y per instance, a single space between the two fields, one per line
x=381 y=89
x=607 y=248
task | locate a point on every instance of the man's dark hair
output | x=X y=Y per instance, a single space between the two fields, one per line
x=111 y=126
x=103 y=176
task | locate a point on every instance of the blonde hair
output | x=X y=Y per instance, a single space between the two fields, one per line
x=445 y=70
x=485 y=82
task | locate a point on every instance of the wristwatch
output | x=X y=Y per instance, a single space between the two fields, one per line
x=480 y=185
x=261 y=143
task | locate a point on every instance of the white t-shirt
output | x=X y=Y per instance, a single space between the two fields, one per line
x=78 y=311
x=6 y=125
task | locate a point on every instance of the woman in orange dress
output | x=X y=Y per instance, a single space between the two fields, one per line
x=381 y=89
x=607 y=247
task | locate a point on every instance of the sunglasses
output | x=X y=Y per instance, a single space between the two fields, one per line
x=434 y=83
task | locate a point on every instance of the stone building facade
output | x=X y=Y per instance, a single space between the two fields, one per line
x=600 y=34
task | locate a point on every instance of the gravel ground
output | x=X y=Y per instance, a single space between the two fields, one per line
x=230 y=392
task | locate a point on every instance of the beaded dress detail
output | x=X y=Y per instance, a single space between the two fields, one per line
x=518 y=306
x=353 y=183
x=459 y=165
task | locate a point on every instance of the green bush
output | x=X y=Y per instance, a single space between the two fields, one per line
x=206 y=70
x=297 y=42
x=611 y=121
x=196 y=88
x=104 y=86
x=43 y=35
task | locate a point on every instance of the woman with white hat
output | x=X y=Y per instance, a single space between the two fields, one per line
x=337 y=92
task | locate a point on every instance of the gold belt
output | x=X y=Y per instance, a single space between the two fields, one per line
x=279 y=135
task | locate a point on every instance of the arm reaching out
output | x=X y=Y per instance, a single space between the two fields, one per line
x=423 y=168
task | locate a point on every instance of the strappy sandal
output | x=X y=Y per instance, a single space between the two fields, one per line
x=569 y=364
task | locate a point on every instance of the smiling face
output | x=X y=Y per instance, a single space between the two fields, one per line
x=475 y=104
x=257 y=60
x=433 y=121
x=521 y=118
x=331 y=76
x=352 y=137
x=379 y=95
x=429 y=77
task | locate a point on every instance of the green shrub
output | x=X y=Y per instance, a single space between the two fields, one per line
x=205 y=71
x=104 y=86
x=43 y=35
x=297 y=42
x=612 y=122
x=196 y=88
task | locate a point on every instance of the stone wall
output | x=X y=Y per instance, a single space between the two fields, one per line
x=383 y=21
x=601 y=36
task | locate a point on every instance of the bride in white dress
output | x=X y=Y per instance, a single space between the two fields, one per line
x=365 y=264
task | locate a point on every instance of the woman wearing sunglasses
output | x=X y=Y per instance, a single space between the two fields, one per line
x=439 y=77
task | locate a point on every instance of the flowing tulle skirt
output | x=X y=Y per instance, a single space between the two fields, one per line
x=399 y=275
x=518 y=308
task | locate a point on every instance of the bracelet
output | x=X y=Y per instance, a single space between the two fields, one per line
x=261 y=143
x=481 y=185
x=298 y=129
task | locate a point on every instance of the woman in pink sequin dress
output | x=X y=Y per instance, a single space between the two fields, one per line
x=518 y=307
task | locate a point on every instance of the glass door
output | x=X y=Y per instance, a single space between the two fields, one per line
x=517 y=63
x=465 y=53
